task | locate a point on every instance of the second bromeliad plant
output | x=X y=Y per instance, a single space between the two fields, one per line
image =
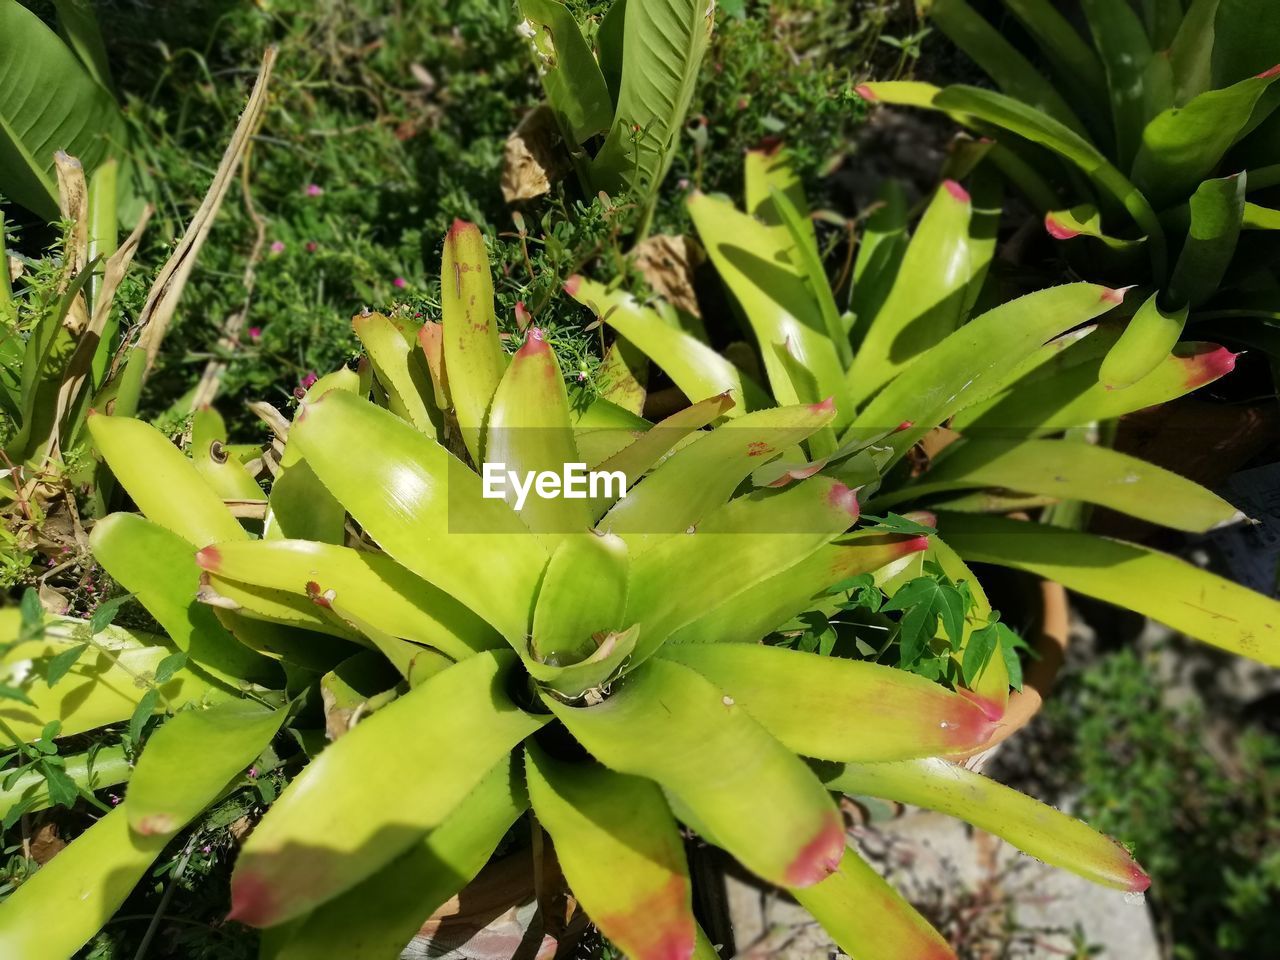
x=611 y=644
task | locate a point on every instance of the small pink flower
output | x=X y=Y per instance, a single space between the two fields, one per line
x=255 y=333
x=277 y=246
x=207 y=848
x=309 y=380
x=683 y=183
x=314 y=190
x=581 y=376
x=114 y=799
x=312 y=246
x=399 y=283
x=253 y=772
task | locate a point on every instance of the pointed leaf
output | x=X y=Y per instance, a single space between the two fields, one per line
x=755 y=797
x=1147 y=339
x=621 y=852
x=880 y=251
x=1217 y=215
x=304 y=853
x=570 y=75
x=1155 y=584
x=1031 y=826
x=400 y=367
x=583 y=593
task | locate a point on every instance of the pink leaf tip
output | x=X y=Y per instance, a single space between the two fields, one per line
x=957 y=191
x=460 y=226
x=1116 y=294
x=824 y=406
x=571 y=285
x=820 y=857
x=251 y=900
x=1138 y=879
x=208 y=558
x=535 y=341
x=1058 y=230
x=844 y=498
x=866 y=93
x=904 y=425
x=1268 y=74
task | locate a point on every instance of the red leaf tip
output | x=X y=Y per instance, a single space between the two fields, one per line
x=156 y=824
x=208 y=558
x=957 y=191
x=460 y=226
x=1058 y=230
x=1116 y=294
x=844 y=498
x=820 y=857
x=535 y=341
x=866 y=93
x=824 y=406
x=1210 y=364
x=904 y=425
x=1138 y=879
x=1268 y=74
x=916 y=544
x=571 y=285
x=251 y=900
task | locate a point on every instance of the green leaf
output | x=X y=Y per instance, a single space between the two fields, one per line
x=160 y=570
x=1148 y=338
x=867 y=918
x=1217 y=215
x=694 y=367
x=620 y=850
x=767 y=276
x=1070 y=470
x=401 y=369
x=27 y=790
x=1079 y=71
x=1125 y=49
x=13 y=693
x=978 y=652
x=162 y=482
x=1084 y=220
x=926 y=602
x=529 y=431
x=32 y=626
x=896 y=523
x=1155 y=584
x=927 y=302
x=48 y=102
x=1246 y=40
x=748 y=793
x=55 y=912
x=376 y=918
x=62 y=663
x=473 y=356
x=1192 y=50
x=1183 y=145
x=368 y=585
x=880 y=251
x=663 y=44
x=305 y=853
x=1028 y=824
x=169 y=666
x=226 y=738
x=423 y=507
x=986 y=348
x=570 y=76
x=869 y=711
x=583 y=593
x=1010 y=642
x=105 y=613
x=142 y=713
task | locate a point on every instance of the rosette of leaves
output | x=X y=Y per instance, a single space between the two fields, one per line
x=1150 y=143
x=593 y=660
x=943 y=406
x=620 y=98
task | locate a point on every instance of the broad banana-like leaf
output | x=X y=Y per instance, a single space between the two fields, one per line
x=227 y=737
x=693 y=366
x=1172 y=591
x=926 y=304
x=775 y=296
x=867 y=918
x=91 y=770
x=473 y=356
x=988 y=347
x=702 y=476
x=101 y=688
x=584 y=593
x=747 y=541
x=1184 y=145
x=54 y=913
x=1146 y=341
x=1069 y=470
x=1075 y=397
x=163 y=483
x=635 y=459
x=880 y=251
x=620 y=850
x=570 y=76
x=159 y=568
x=366 y=584
x=750 y=616
x=1125 y=50
x=423 y=507
x=663 y=45
x=400 y=367
x=530 y=432
x=1031 y=826
x=1000 y=59
x=1217 y=216
x=376 y=918
x=752 y=795
x=421 y=756
x=48 y=102
x=866 y=710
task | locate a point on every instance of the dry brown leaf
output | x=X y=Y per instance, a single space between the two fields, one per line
x=45 y=843
x=668 y=263
x=530 y=160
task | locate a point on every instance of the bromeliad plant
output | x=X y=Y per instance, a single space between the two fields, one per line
x=1146 y=147
x=1003 y=394
x=620 y=99
x=595 y=660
